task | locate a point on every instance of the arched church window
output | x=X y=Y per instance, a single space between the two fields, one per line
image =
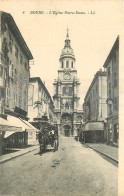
x=62 y=64
x=67 y=64
x=72 y=64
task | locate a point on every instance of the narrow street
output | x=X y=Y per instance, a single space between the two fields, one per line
x=73 y=170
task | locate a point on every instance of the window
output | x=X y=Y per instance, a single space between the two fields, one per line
x=66 y=105
x=16 y=51
x=25 y=105
x=96 y=89
x=15 y=99
x=67 y=64
x=114 y=58
x=10 y=46
x=70 y=91
x=96 y=105
x=109 y=92
x=110 y=109
x=21 y=59
x=26 y=66
x=12 y=71
x=72 y=64
x=20 y=101
x=15 y=75
x=20 y=81
x=62 y=64
x=115 y=103
x=1 y=70
x=7 y=96
x=115 y=83
x=108 y=71
x=64 y=90
x=93 y=93
x=115 y=75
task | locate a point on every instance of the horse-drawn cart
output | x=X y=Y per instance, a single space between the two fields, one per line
x=48 y=137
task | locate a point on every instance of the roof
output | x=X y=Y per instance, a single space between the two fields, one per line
x=34 y=79
x=98 y=73
x=116 y=44
x=10 y=21
x=67 y=51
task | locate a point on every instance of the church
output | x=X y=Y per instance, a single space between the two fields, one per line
x=68 y=115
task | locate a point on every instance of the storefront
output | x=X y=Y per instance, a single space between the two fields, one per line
x=93 y=131
x=31 y=131
x=8 y=133
x=112 y=131
x=16 y=132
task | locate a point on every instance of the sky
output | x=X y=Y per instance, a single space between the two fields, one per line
x=92 y=35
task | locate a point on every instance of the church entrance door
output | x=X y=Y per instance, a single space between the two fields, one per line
x=67 y=130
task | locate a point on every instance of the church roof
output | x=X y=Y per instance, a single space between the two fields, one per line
x=67 y=51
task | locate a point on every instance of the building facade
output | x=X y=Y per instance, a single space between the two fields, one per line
x=40 y=104
x=15 y=57
x=95 y=106
x=14 y=68
x=66 y=93
x=112 y=66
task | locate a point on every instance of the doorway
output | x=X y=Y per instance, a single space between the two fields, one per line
x=67 y=130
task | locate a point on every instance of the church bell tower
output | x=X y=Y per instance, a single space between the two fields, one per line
x=66 y=88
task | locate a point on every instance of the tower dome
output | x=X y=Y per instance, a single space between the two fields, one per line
x=67 y=51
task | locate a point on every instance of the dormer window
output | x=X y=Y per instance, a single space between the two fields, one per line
x=67 y=64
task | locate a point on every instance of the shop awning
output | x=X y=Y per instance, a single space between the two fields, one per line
x=94 y=126
x=8 y=127
x=8 y=133
x=14 y=124
x=17 y=122
x=5 y=125
x=29 y=124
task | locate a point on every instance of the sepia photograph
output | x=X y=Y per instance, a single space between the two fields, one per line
x=61 y=98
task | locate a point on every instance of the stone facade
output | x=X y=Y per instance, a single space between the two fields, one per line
x=95 y=106
x=14 y=67
x=66 y=90
x=112 y=66
x=95 y=109
x=39 y=102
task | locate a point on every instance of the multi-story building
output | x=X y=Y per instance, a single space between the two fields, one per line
x=112 y=66
x=14 y=68
x=66 y=93
x=40 y=104
x=95 y=109
x=14 y=79
x=95 y=106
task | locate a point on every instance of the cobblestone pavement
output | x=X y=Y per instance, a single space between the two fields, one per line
x=71 y=171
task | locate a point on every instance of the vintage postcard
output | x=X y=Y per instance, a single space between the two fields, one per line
x=61 y=98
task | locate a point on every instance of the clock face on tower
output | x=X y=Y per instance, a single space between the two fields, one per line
x=67 y=76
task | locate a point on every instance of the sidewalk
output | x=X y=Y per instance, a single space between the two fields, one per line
x=109 y=151
x=19 y=152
